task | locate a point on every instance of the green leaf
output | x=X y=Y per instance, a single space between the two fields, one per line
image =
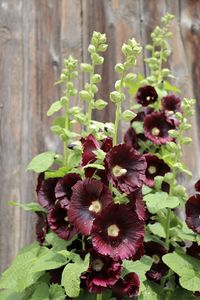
x=128 y=115
x=160 y=200
x=169 y=87
x=41 y=292
x=10 y=295
x=56 y=242
x=138 y=126
x=33 y=206
x=61 y=172
x=187 y=267
x=152 y=291
x=56 y=292
x=41 y=162
x=146 y=190
x=182 y=294
x=96 y=166
x=71 y=276
x=100 y=154
x=19 y=275
x=157 y=229
x=56 y=106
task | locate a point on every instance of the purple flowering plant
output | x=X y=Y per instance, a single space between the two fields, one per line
x=108 y=226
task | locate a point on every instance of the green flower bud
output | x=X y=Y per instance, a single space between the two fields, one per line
x=165 y=72
x=128 y=115
x=85 y=95
x=100 y=104
x=130 y=77
x=169 y=178
x=96 y=78
x=91 y=49
x=102 y=48
x=116 y=97
x=119 y=68
x=186 y=140
x=97 y=59
x=86 y=68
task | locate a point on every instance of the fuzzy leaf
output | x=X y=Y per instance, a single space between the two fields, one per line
x=160 y=200
x=33 y=206
x=41 y=292
x=182 y=294
x=61 y=172
x=71 y=276
x=56 y=292
x=19 y=275
x=152 y=291
x=157 y=229
x=41 y=162
x=56 y=106
x=169 y=87
x=187 y=267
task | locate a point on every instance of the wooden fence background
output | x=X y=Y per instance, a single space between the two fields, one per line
x=35 y=36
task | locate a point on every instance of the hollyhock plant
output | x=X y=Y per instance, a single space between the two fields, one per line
x=108 y=212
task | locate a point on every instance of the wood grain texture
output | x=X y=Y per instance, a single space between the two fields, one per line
x=35 y=36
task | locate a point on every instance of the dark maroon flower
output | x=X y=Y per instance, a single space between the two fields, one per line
x=55 y=275
x=193 y=213
x=89 y=144
x=107 y=144
x=158 y=268
x=197 y=186
x=146 y=95
x=171 y=104
x=130 y=138
x=41 y=227
x=46 y=191
x=155 y=167
x=103 y=272
x=156 y=127
x=125 y=168
x=165 y=187
x=136 y=200
x=194 y=250
x=63 y=189
x=58 y=220
x=128 y=286
x=89 y=198
x=117 y=232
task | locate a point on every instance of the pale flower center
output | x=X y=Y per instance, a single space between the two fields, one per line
x=148 y=98
x=155 y=131
x=169 y=112
x=97 y=265
x=118 y=171
x=113 y=230
x=95 y=206
x=152 y=169
x=156 y=259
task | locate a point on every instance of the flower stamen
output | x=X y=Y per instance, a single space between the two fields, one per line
x=118 y=171
x=155 y=131
x=113 y=230
x=95 y=206
x=97 y=265
x=152 y=170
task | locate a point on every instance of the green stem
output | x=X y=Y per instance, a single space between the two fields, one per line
x=117 y=118
x=66 y=127
x=167 y=228
x=99 y=297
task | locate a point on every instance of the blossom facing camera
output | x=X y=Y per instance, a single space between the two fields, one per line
x=89 y=198
x=117 y=232
x=146 y=95
x=103 y=272
x=155 y=167
x=193 y=213
x=125 y=168
x=128 y=286
x=171 y=104
x=156 y=127
x=58 y=221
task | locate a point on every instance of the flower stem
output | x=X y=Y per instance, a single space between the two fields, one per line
x=99 y=297
x=66 y=127
x=167 y=228
x=117 y=117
